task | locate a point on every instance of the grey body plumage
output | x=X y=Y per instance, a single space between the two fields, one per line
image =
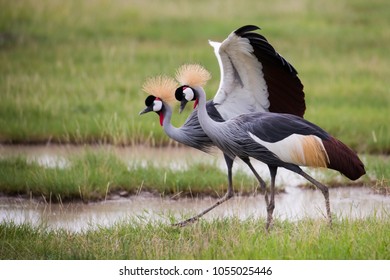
x=244 y=135
x=254 y=77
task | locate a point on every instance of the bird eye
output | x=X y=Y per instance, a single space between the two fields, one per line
x=157 y=105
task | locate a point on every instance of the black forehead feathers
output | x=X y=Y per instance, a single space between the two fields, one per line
x=149 y=100
x=179 y=93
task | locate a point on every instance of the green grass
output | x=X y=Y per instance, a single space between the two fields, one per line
x=366 y=239
x=71 y=71
x=98 y=175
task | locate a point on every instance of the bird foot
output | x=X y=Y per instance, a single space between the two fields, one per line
x=269 y=225
x=192 y=220
x=186 y=222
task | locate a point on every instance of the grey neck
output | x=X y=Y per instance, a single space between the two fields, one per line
x=219 y=132
x=173 y=132
x=209 y=126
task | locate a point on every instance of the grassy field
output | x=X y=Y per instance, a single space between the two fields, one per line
x=71 y=71
x=97 y=175
x=366 y=239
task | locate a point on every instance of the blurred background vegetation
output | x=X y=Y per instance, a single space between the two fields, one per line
x=72 y=71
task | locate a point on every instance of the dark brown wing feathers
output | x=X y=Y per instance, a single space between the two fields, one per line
x=343 y=159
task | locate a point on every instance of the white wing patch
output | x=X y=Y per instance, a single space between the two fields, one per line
x=242 y=87
x=306 y=150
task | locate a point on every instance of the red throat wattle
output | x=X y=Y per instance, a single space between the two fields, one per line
x=161 y=118
x=196 y=103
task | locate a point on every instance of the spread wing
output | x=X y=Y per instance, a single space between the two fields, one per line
x=254 y=77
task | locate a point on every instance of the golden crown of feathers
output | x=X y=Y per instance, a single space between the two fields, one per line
x=162 y=87
x=192 y=75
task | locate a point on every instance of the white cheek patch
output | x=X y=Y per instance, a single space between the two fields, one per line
x=157 y=105
x=188 y=94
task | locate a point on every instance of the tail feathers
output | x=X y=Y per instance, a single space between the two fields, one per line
x=343 y=159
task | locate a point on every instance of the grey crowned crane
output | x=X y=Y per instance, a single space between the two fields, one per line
x=276 y=139
x=254 y=78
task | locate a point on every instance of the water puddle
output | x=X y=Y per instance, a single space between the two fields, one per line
x=293 y=204
x=51 y=156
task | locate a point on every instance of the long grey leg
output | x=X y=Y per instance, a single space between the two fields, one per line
x=229 y=194
x=325 y=191
x=262 y=184
x=271 y=205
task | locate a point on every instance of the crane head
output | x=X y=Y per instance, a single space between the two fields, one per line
x=185 y=94
x=153 y=104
